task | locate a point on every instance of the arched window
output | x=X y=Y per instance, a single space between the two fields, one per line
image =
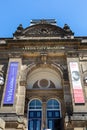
x=35 y=104
x=53 y=104
x=34 y=115
x=53 y=114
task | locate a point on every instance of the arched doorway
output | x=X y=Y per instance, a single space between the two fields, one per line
x=53 y=115
x=44 y=83
x=34 y=115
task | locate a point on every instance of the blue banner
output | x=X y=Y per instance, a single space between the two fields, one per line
x=11 y=84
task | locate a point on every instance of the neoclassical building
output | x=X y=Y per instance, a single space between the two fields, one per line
x=43 y=78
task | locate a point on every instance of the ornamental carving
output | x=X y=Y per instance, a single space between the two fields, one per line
x=43 y=30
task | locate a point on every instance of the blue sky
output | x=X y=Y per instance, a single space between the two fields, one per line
x=15 y=12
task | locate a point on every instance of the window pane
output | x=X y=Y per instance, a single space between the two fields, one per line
x=32 y=107
x=38 y=103
x=49 y=114
x=55 y=102
x=38 y=125
x=38 y=114
x=35 y=104
x=31 y=115
x=52 y=104
x=32 y=103
x=49 y=102
x=30 y=125
x=49 y=107
x=56 y=114
x=50 y=124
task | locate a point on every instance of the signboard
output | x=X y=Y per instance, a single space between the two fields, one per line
x=11 y=83
x=76 y=82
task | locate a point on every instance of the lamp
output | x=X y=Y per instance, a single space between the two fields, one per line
x=85 y=79
x=1 y=79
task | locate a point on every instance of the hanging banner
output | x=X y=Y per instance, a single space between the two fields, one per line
x=11 y=84
x=76 y=82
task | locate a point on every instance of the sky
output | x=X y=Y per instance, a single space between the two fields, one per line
x=15 y=12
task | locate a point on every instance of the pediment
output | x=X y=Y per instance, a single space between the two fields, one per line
x=42 y=30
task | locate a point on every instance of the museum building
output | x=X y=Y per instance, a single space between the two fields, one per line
x=43 y=78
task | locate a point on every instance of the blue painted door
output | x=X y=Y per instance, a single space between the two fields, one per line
x=53 y=120
x=34 y=120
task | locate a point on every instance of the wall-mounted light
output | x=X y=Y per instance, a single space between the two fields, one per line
x=85 y=79
x=1 y=80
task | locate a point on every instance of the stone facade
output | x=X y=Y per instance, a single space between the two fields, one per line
x=43 y=52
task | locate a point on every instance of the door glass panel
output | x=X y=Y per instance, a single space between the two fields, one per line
x=38 y=114
x=49 y=114
x=50 y=124
x=56 y=114
x=30 y=125
x=31 y=114
x=38 y=125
